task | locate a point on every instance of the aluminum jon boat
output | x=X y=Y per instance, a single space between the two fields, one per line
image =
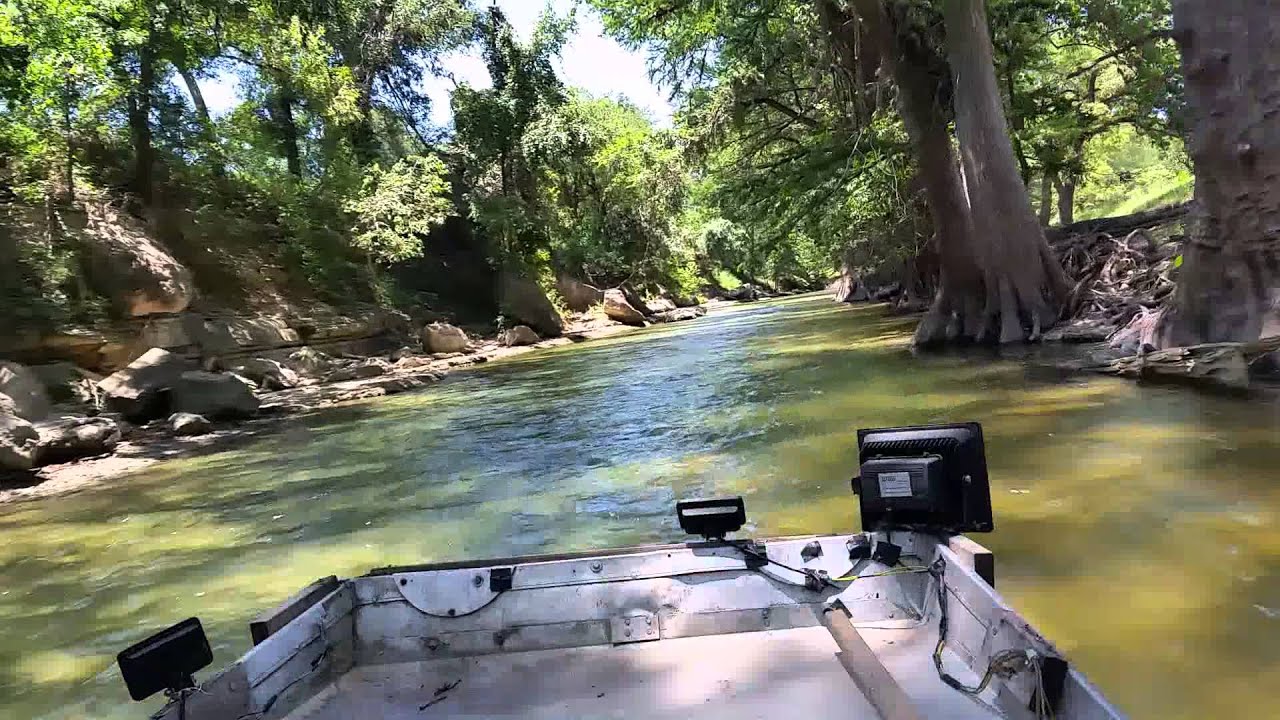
x=899 y=621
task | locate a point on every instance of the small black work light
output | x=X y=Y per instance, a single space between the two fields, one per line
x=167 y=660
x=931 y=478
x=712 y=519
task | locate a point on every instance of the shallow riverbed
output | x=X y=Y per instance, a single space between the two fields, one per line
x=1138 y=527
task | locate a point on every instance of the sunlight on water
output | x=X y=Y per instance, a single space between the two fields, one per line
x=1138 y=527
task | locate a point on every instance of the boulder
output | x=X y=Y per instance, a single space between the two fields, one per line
x=23 y=387
x=520 y=299
x=634 y=299
x=444 y=338
x=401 y=353
x=520 y=335
x=19 y=440
x=266 y=374
x=618 y=309
x=213 y=395
x=659 y=305
x=743 y=293
x=65 y=382
x=578 y=296
x=310 y=361
x=189 y=424
x=131 y=268
x=678 y=314
x=141 y=390
x=359 y=371
x=78 y=438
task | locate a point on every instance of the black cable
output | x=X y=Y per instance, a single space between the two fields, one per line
x=1000 y=659
x=751 y=553
x=266 y=707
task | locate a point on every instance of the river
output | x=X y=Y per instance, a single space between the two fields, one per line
x=1138 y=527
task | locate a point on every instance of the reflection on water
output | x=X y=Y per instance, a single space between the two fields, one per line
x=1138 y=527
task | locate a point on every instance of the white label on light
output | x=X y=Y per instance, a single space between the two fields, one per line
x=894 y=484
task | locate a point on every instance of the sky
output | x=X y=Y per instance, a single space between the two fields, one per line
x=590 y=60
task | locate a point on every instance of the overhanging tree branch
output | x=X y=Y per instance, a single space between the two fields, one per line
x=789 y=112
x=1136 y=42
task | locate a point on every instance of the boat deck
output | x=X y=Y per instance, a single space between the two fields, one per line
x=771 y=674
x=706 y=630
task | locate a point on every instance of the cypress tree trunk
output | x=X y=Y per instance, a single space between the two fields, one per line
x=1066 y=201
x=1023 y=284
x=1046 y=199
x=1231 y=266
x=955 y=311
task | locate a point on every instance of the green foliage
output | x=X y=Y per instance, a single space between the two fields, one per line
x=491 y=128
x=785 y=161
x=614 y=187
x=806 y=162
x=396 y=208
x=1126 y=173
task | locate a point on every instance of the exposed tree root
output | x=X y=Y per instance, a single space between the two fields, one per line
x=1224 y=366
x=1108 y=285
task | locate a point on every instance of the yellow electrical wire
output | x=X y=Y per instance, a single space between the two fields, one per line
x=904 y=570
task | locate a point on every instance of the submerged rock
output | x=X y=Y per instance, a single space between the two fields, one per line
x=618 y=309
x=189 y=424
x=520 y=335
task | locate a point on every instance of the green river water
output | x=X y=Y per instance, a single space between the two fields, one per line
x=1138 y=527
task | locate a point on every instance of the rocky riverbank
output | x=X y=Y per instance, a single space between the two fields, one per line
x=63 y=429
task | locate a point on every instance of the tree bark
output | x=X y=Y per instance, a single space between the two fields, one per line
x=193 y=89
x=856 y=56
x=1231 y=266
x=1024 y=166
x=68 y=99
x=1024 y=285
x=363 y=139
x=1066 y=201
x=207 y=133
x=955 y=312
x=281 y=112
x=1046 y=199
x=139 y=106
